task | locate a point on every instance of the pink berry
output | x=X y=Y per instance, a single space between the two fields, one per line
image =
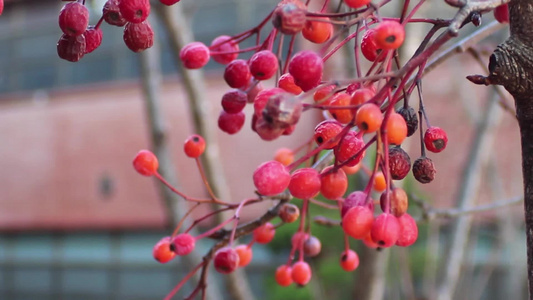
x=237 y=74
x=138 y=36
x=194 y=55
x=71 y=48
x=234 y=101
x=1 y=6
x=183 y=244
x=385 y=230
x=358 y=221
x=349 y=260
x=231 y=123
x=224 y=46
x=312 y=246
x=435 y=139
x=263 y=65
x=301 y=273
x=306 y=68
x=271 y=178
x=226 y=260
x=74 y=18
x=356 y=198
x=134 y=11
x=408 y=230
x=264 y=233
x=349 y=149
x=286 y=82
x=305 y=183
x=112 y=15
x=93 y=39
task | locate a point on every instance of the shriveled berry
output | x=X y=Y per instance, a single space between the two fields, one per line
x=408 y=231
x=369 y=48
x=263 y=65
x=399 y=163
x=305 y=183
x=112 y=15
x=424 y=170
x=289 y=213
x=357 y=222
x=226 y=260
x=350 y=149
x=389 y=35
x=194 y=146
x=317 y=31
x=349 y=260
x=301 y=273
x=264 y=233
x=343 y=115
x=396 y=129
x=134 y=11
x=261 y=99
x=283 y=275
x=356 y=3
x=368 y=117
x=282 y=110
x=93 y=38
x=237 y=74
x=245 y=255
x=326 y=132
x=289 y=17
x=225 y=44
x=284 y=156
x=194 y=55
x=501 y=13
x=161 y=250
x=138 y=36
x=357 y=198
x=271 y=178
x=234 y=101
x=312 y=246
x=183 y=244
x=231 y=123
x=73 y=18
x=145 y=163
x=266 y=130
x=71 y=48
x=306 y=68
x=411 y=119
x=286 y=82
x=435 y=139
x=333 y=184
x=385 y=230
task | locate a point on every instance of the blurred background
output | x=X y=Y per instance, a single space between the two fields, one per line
x=77 y=222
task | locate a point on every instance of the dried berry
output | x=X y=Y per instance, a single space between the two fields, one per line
x=71 y=48
x=399 y=163
x=282 y=110
x=93 y=39
x=424 y=170
x=112 y=15
x=411 y=119
x=289 y=18
x=74 y=18
x=138 y=36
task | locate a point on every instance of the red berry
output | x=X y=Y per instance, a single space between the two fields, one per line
x=424 y=170
x=357 y=222
x=283 y=275
x=74 y=18
x=349 y=260
x=324 y=94
x=385 y=230
x=183 y=244
x=305 y=183
x=71 y=48
x=306 y=68
x=318 y=32
x=399 y=163
x=286 y=82
x=234 y=101
x=237 y=74
x=361 y=96
x=226 y=260
x=169 y=2
x=389 y=35
x=93 y=38
x=263 y=65
x=289 y=213
x=369 y=242
x=161 y=250
x=301 y=273
x=194 y=146
x=1 y=6
x=501 y=13
x=231 y=47
x=312 y=246
x=334 y=184
x=356 y=198
x=326 y=132
x=245 y=255
x=194 y=55
x=231 y=123
x=408 y=231
x=289 y=17
x=349 y=149
x=435 y=139
x=138 y=36
x=284 y=156
x=264 y=233
x=145 y=163
x=271 y=178
x=343 y=115
x=368 y=117
x=369 y=48
x=134 y=11
x=356 y=3
x=111 y=14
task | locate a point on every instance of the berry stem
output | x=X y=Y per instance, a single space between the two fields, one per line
x=214 y=229
x=322 y=204
x=99 y=22
x=176 y=230
x=184 y=280
x=206 y=183
x=173 y=189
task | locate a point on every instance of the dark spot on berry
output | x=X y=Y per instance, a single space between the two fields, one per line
x=381 y=243
x=439 y=144
x=364 y=126
x=344 y=257
x=172 y=247
x=378 y=51
x=114 y=16
x=139 y=13
x=195 y=139
x=319 y=140
x=390 y=39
